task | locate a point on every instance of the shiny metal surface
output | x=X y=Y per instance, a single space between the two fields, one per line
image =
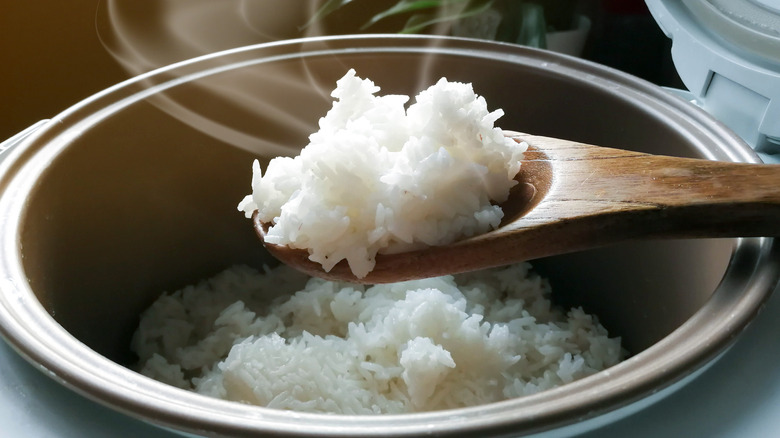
x=92 y=205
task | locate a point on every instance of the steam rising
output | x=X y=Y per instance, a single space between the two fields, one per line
x=154 y=33
x=143 y=36
x=146 y=35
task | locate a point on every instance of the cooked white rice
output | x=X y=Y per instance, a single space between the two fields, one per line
x=379 y=177
x=280 y=340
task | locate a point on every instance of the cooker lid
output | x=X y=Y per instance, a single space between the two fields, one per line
x=727 y=53
x=752 y=26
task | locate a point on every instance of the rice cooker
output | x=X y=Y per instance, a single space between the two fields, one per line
x=727 y=53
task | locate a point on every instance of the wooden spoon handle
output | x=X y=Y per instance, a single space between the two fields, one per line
x=641 y=195
x=574 y=196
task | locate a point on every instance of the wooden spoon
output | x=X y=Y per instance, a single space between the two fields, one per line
x=574 y=196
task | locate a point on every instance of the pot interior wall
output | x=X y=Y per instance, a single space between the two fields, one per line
x=141 y=203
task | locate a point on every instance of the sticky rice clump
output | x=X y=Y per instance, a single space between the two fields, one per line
x=380 y=177
x=280 y=340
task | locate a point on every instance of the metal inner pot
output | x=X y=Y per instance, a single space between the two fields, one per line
x=133 y=192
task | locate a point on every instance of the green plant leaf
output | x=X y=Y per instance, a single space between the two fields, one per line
x=402 y=7
x=418 y=22
x=326 y=9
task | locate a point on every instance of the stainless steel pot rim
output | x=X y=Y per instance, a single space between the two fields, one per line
x=37 y=336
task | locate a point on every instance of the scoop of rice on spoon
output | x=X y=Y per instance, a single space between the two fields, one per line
x=383 y=194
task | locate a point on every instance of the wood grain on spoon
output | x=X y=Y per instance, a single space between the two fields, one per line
x=574 y=196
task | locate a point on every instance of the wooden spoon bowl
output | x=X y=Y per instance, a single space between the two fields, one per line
x=573 y=196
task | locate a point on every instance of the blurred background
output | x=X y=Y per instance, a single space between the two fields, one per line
x=54 y=54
